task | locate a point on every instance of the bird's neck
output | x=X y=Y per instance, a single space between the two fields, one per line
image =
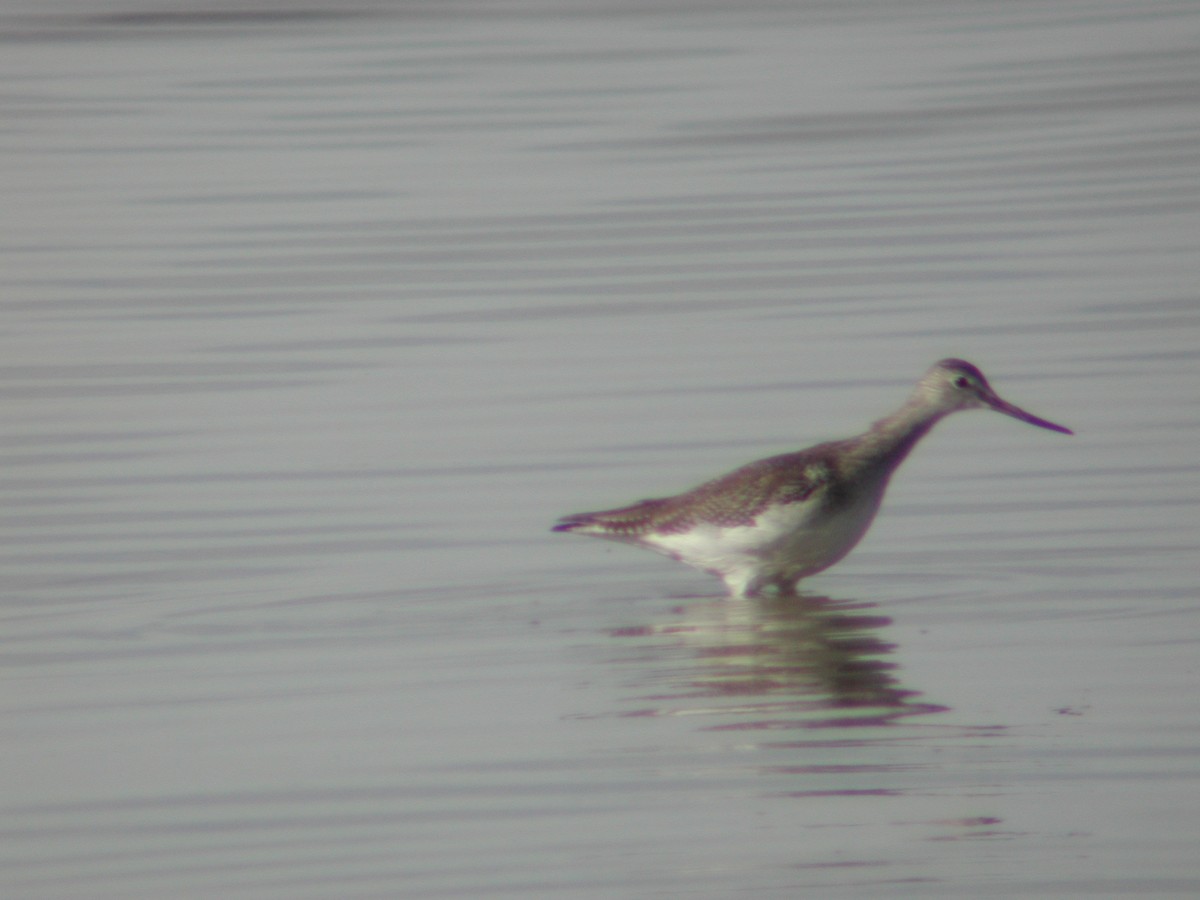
x=892 y=438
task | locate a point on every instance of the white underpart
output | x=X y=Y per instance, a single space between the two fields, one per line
x=784 y=544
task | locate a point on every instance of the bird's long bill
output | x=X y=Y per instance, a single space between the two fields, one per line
x=1003 y=406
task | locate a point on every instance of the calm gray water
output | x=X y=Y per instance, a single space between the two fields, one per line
x=314 y=321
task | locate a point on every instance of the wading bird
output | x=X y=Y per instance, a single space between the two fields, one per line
x=775 y=521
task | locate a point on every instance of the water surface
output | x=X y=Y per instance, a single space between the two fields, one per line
x=314 y=321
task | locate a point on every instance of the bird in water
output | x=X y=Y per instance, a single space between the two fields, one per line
x=772 y=522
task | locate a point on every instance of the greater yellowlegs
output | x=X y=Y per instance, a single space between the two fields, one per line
x=777 y=520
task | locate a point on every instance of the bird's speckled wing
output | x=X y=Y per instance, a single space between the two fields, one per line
x=733 y=499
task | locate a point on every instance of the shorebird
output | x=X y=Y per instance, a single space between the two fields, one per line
x=772 y=522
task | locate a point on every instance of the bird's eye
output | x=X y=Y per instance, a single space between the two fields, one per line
x=962 y=381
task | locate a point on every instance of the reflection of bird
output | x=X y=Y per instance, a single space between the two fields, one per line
x=777 y=520
x=795 y=661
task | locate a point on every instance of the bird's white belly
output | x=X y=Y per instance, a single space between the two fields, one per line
x=783 y=544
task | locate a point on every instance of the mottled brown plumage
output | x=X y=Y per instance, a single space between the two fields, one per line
x=733 y=499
